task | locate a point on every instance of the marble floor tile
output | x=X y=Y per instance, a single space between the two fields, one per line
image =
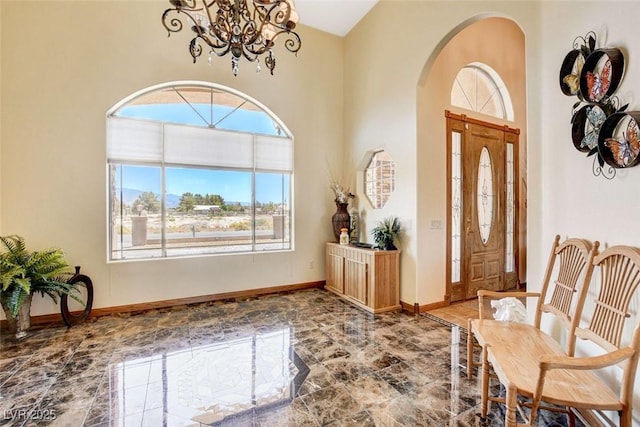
x=333 y=403
x=303 y=358
x=318 y=378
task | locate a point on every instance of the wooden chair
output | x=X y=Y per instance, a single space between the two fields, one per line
x=537 y=367
x=573 y=255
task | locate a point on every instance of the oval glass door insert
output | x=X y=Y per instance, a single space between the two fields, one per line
x=485 y=195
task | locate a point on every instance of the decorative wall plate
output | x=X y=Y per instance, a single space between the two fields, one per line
x=619 y=139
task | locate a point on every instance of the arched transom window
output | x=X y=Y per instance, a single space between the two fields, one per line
x=197 y=168
x=479 y=88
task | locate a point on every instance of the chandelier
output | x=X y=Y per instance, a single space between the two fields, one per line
x=241 y=27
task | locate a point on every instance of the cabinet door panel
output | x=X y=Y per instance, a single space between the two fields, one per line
x=356 y=274
x=335 y=272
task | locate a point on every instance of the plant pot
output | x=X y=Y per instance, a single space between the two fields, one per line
x=388 y=246
x=20 y=325
x=385 y=244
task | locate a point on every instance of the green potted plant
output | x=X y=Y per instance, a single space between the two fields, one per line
x=24 y=273
x=386 y=233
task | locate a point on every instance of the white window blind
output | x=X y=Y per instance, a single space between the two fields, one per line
x=208 y=147
x=274 y=153
x=134 y=140
x=137 y=140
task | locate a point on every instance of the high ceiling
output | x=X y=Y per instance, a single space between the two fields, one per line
x=333 y=16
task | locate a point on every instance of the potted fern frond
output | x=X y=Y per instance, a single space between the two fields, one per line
x=24 y=273
x=386 y=233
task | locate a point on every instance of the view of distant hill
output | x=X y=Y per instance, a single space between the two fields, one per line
x=129 y=195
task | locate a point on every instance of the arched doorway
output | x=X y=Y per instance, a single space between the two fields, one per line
x=481 y=192
x=484 y=47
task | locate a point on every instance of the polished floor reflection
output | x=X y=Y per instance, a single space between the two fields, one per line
x=299 y=359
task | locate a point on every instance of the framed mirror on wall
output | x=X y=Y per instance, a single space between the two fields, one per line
x=379 y=179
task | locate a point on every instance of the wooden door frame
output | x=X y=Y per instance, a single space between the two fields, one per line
x=511 y=136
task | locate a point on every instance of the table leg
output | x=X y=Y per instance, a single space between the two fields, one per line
x=511 y=402
x=469 y=351
x=485 y=382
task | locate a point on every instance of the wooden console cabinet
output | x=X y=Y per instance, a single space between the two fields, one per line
x=368 y=278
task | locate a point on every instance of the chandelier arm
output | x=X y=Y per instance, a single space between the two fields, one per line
x=282 y=16
x=244 y=12
x=219 y=49
x=215 y=42
x=184 y=4
x=221 y=30
x=222 y=51
x=207 y=7
x=175 y=24
x=256 y=44
x=251 y=51
x=270 y=61
x=248 y=30
x=249 y=55
x=195 y=49
x=262 y=14
x=294 y=43
x=250 y=34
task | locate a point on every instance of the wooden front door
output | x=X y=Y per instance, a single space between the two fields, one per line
x=484 y=209
x=482 y=235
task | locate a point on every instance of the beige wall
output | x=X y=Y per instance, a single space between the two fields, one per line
x=574 y=202
x=75 y=62
x=1 y=120
x=383 y=70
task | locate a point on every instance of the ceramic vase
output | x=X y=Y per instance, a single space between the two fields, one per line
x=341 y=219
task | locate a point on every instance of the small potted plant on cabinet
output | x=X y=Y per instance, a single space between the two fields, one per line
x=23 y=273
x=386 y=233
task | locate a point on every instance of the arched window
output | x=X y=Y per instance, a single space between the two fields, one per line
x=479 y=88
x=197 y=168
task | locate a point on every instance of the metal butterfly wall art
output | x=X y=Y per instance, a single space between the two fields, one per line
x=626 y=150
x=573 y=80
x=598 y=83
x=598 y=125
x=595 y=118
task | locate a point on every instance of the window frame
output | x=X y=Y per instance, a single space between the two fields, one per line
x=285 y=175
x=493 y=80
